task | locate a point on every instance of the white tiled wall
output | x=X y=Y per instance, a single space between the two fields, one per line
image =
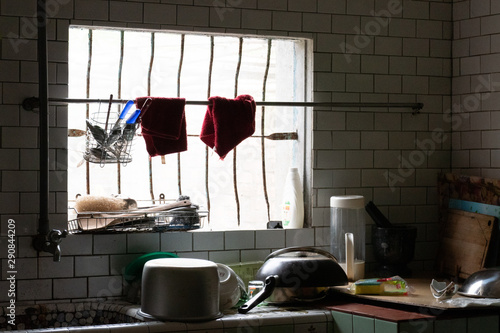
x=398 y=51
x=476 y=82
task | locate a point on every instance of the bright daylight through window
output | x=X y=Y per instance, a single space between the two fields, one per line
x=242 y=191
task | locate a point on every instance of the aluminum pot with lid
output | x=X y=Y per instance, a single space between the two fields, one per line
x=296 y=274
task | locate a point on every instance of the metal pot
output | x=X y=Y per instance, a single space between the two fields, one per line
x=180 y=289
x=296 y=274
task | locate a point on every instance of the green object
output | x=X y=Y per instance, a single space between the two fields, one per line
x=134 y=269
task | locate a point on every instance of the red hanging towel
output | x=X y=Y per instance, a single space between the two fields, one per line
x=228 y=122
x=164 y=125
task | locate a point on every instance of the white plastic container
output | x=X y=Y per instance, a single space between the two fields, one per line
x=347 y=230
x=293 y=201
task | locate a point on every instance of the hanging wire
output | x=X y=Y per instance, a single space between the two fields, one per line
x=235 y=176
x=262 y=128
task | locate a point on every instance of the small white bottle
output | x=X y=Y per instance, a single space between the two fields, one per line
x=293 y=201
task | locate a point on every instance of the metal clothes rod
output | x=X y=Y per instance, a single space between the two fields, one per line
x=31 y=103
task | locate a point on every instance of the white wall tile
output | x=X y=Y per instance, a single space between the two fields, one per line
x=273 y=4
x=254 y=255
x=344 y=24
x=480 y=45
x=29 y=290
x=118 y=262
x=193 y=16
x=91 y=9
x=375 y=64
x=269 y=239
x=346 y=63
x=470 y=28
x=387 y=159
x=441 y=11
x=159 y=13
x=328 y=120
x=299 y=237
x=287 y=21
x=105 y=286
x=70 y=288
x=385 y=122
x=359 y=121
x=470 y=65
x=330 y=159
x=374 y=140
x=143 y=242
x=224 y=257
x=26 y=268
x=360 y=7
x=346 y=140
x=329 y=42
x=490 y=139
x=387 y=83
x=429 y=29
x=176 y=241
x=389 y=46
x=18 y=8
x=206 y=241
x=415 y=9
x=415 y=47
x=322 y=140
x=224 y=17
x=415 y=84
x=330 y=81
x=346 y=178
x=91 y=265
x=317 y=22
x=359 y=159
x=110 y=244
x=479 y=158
x=48 y=268
x=255 y=19
x=327 y=6
x=244 y=239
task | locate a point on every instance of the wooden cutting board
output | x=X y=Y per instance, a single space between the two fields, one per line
x=465 y=240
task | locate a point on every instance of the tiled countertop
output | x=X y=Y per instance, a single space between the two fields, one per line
x=270 y=319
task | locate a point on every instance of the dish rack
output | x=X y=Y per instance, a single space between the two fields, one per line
x=178 y=219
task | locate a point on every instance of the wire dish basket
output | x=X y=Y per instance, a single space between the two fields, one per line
x=177 y=219
x=108 y=144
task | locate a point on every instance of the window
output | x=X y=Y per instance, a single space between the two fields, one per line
x=242 y=191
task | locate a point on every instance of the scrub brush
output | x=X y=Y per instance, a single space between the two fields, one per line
x=95 y=203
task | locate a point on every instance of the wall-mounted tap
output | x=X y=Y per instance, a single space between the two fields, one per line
x=50 y=242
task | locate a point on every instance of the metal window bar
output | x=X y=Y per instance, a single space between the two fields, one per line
x=87 y=110
x=207 y=152
x=181 y=60
x=262 y=127
x=235 y=151
x=150 y=69
x=120 y=68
